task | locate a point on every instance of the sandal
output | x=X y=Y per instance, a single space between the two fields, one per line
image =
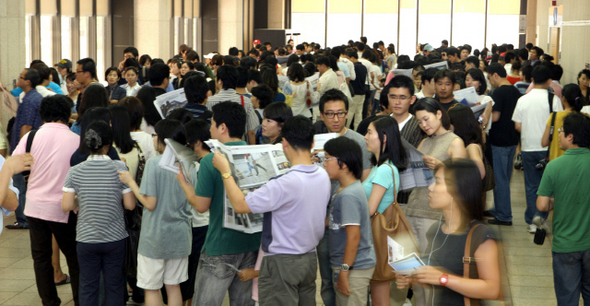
x=65 y=281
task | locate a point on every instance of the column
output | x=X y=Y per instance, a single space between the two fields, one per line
x=276 y=14
x=230 y=24
x=13 y=37
x=152 y=28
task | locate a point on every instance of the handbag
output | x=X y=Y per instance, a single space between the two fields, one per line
x=133 y=222
x=469 y=260
x=391 y=223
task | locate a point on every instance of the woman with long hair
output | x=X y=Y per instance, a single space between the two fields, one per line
x=128 y=150
x=584 y=83
x=298 y=88
x=439 y=145
x=456 y=192
x=475 y=78
x=389 y=158
x=467 y=128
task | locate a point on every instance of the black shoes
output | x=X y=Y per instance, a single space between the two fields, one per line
x=16 y=225
x=518 y=162
x=499 y=222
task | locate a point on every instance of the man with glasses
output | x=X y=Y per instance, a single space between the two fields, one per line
x=27 y=118
x=85 y=73
x=334 y=112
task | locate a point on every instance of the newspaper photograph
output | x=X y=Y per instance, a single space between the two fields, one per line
x=170 y=101
x=251 y=166
x=313 y=82
x=440 y=65
x=417 y=173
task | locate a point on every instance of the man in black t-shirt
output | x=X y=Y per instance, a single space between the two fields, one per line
x=444 y=81
x=503 y=139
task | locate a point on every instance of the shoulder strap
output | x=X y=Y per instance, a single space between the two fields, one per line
x=468 y=259
x=393 y=175
x=553 y=115
x=30 y=141
x=242 y=98
x=550 y=101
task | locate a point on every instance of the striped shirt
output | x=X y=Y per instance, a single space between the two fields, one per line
x=225 y=95
x=99 y=190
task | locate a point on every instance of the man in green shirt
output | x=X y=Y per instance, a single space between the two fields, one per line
x=565 y=179
x=224 y=249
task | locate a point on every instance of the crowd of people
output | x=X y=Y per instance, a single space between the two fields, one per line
x=84 y=173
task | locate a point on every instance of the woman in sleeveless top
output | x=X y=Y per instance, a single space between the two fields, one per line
x=455 y=192
x=440 y=145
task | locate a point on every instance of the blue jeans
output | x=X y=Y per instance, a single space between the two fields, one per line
x=327 y=291
x=215 y=278
x=571 y=275
x=532 y=179
x=107 y=259
x=502 y=157
x=19 y=182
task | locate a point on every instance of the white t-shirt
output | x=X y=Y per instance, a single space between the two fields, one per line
x=484 y=99
x=402 y=124
x=146 y=143
x=532 y=111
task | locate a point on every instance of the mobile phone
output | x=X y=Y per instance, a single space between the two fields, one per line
x=14 y=83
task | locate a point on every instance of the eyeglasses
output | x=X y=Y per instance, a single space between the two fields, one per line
x=80 y=71
x=22 y=77
x=329 y=159
x=331 y=115
x=399 y=98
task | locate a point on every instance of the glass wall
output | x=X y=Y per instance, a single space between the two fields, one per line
x=420 y=21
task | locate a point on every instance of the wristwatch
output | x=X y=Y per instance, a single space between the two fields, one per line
x=345 y=267
x=226 y=175
x=444 y=279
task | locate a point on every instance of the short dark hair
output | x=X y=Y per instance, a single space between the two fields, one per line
x=539 y=51
x=452 y=51
x=509 y=56
x=578 y=125
x=390 y=143
x=192 y=55
x=158 y=73
x=131 y=50
x=228 y=75
x=432 y=106
x=401 y=81
x=242 y=77
x=428 y=74
x=496 y=68
x=197 y=130
x=195 y=89
x=348 y=152
x=477 y=75
x=527 y=71
x=169 y=128
x=254 y=75
x=541 y=74
x=181 y=114
x=299 y=132
x=135 y=109
x=445 y=73
x=111 y=69
x=529 y=45
x=278 y=112
x=556 y=72
x=322 y=60
x=523 y=54
x=55 y=108
x=333 y=95
x=233 y=51
x=145 y=58
x=296 y=73
x=445 y=42
x=352 y=53
x=264 y=94
x=248 y=62
x=472 y=60
x=233 y=115
x=88 y=65
x=32 y=75
x=43 y=70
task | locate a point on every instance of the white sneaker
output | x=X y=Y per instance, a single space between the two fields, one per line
x=532 y=228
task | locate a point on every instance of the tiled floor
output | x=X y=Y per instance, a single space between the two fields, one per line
x=527 y=277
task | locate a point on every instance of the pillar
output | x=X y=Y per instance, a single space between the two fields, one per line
x=13 y=37
x=152 y=28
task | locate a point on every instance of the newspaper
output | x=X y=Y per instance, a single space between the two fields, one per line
x=440 y=65
x=417 y=173
x=251 y=167
x=406 y=72
x=176 y=155
x=169 y=101
x=313 y=82
x=469 y=94
x=401 y=264
x=478 y=109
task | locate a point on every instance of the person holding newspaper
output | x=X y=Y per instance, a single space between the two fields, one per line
x=456 y=192
x=294 y=207
x=441 y=144
x=385 y=143
x=165 y=239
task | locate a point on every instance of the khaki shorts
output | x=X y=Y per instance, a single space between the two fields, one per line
x=152 y=273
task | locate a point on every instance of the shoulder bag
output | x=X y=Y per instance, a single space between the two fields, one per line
x=393 y=223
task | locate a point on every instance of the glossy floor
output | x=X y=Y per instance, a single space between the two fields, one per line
x=527 y=276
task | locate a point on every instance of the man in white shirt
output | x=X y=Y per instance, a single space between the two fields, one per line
x=346 y=60
x=530 y=118
x=428 y=84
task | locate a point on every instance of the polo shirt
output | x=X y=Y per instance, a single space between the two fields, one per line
x=100 y=192
x=294 y=207
x=565 y=179
x=52 y=147
x=231 y=95
x=221 y=240
x=26 y=114
x=198 y=110
x=329 y=80
x=350 y=66
x=532 y=111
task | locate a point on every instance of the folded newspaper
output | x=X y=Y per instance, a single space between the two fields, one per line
x=404 y=265
x=417 y=173
x=170 y=101
x=469 y=94
x=251 y=167
x=177 y=154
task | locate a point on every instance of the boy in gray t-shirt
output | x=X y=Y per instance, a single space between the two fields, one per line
x=350 y=238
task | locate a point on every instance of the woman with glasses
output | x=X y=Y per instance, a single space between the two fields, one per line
x=439 y=145
x=382 y=184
